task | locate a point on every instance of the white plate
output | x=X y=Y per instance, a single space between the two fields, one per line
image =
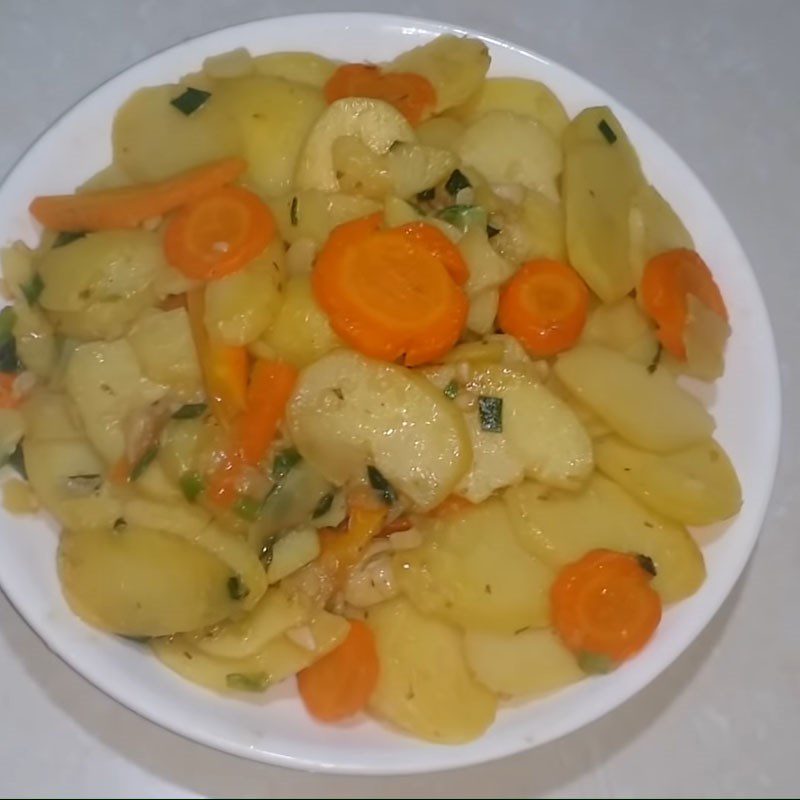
x=276 y=730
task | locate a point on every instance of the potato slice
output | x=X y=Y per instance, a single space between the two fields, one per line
x=696 y=486
x=300 y=67
x=521 y=663
x=454 y=65
x=414 y=167
x=522 y=96
x=293 y=551
x=705 y=336
x=535 y=229
x=440 y=132
x=487 y=269
x=424 y=685
x=622 y=326
x=646 y=408
x=12 y=429
x=37 y=347
x=601 y=178
x=559 y=527
x=140 y=582
x=378 y=125
x=505 y=147
x=470 y=571
x=50 y=415
x=348 y=411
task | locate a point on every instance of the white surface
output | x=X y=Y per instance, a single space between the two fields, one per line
x=725 y=718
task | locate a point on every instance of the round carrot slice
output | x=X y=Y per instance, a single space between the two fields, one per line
x=667 y=281
x=544 y=306
x=604 y=605
x=411 y=94
x=433 y=240
x=218 y=234
x=387 y=293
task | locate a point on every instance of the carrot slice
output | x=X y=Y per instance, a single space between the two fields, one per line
x=129 y=206
x=387 y=294
x=8 y=397
x=451 y=505
x=544 y=306
x=224 y=367
x=667 y=281
x=411 y=94
x=604 y=605
x=340 y=684
x=219 y=233
x=436 y=243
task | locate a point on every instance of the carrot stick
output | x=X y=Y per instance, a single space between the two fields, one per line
x=544 y=306
x=667 y=281
x=387 y=293
x=129 y=206
x=411 y=94
x=340 y=684
x=604 y=605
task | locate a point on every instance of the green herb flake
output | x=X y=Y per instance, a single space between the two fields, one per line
x=293 y=211
x=120 y=524
x=33 y=288
x=451 y=390
x=190 y=101
x=653 y=365
x=491 y=231
x=647 y=564
x=381 y=485
x=595 y=663
x=607 y=131
x=426 y=195
x=17 y=460
x=490 y=413
x=67 y=237
x=9 y=360
x=247 y=681
x=236 y=588
x=456 y=182
x=144 y=462
x=191 y=485
x=284 y=462
x=190 y=411
x=8 y=318
x=247 y=508
x=457 y=215
x=323 y=506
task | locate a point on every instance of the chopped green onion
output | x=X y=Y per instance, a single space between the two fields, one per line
x=293 y=211
x=653 y=365
x=33 y=288
x=459 y=215
x=647 y=564
x=247 y=508
x=456 y=182
x=490 y=412
x=9 y=360
x=491 y=231
x=8 y=318
x=190 y=411
x=284 y=462
x=247 y=681
x=381 y=485
x=67 y=237
x=426 y=194
x=191 y=485
x=607 y=131
x=188 y=102
x=595 y=663
x=451 y=390
x=236 y=588
x=144 y=462
x=17 y=460
x=323 y=506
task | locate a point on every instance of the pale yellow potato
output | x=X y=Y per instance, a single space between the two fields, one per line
x=308 y=68
x=487 y=269
x=12 y=429
x=599 y=183
x=560 y=527
x=37 y=347
x=398 y=212
x=705 y=336
x=156 y=484
x=534 y=229
x=648 y=409
x=482 y=311
x=508 y=148
x=454 y=65
x=525 y=97
x=153 y=140
x=236 y=63
x=17 y=264
x=622 y=326
x=179 y=445
x=300 y=332
x=349 y=411
x=413 y=168
x=696 y=486
x=274 y=117
x=19 y=497
x=470 y=571
x=164 y=347
x=440 y=132
x=50 y=415
x=525 y=662
x=292 y=551
x=359 y=169
x=424 y=685
x=141 y=582
x=279 y=659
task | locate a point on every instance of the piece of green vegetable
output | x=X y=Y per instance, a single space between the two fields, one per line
x=462 y=216
x=607 y=131
x=284 y=462
x=190 y=101
x=191 y=485
x=381 y=485
x=144 y=462
x=237 y=588
x=247 y=681
x=490 y=413
x=451 y=390
x=595 y=663
x=647 y=564
x=33 y=288
x=323 y=506
x=16 y=459
x=247 y=508
x=67 y=237
x=456 y=182
x=293 y=211
x=9 y=360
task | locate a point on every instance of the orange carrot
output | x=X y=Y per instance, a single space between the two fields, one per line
x=340 y=684
x=436 y=243
x=129 y=206
x=411 y=94
x=604 y=605
x=8 y=397
x=120 y=471
x=387 y=294
x=451 y=505
x=667 y=281
x=219 y=233
x=397 y=526
x=544 y=306
x=224 y=366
